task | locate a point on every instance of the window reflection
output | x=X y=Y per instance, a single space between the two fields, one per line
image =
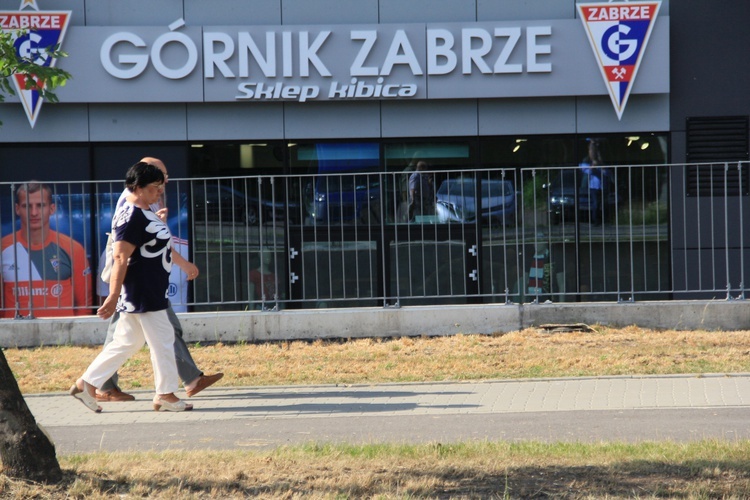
x=407 y=189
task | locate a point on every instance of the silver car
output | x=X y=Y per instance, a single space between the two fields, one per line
x=456 y=201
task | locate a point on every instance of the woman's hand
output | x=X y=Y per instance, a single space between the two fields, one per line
x=190 y=269
x=107 y=309
x=162 y=214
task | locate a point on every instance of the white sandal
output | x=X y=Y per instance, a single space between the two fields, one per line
x=84 y=397
x=162 y=405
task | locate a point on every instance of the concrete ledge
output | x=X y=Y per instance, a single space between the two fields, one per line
x=255 y=326
x=724 y=315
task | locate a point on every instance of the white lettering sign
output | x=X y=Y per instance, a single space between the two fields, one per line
x=132 y=65
x=260 y=91
x=442 y=56
x=306 y=63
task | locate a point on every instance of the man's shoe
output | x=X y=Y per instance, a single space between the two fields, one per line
x=114 y=396
x=203 y=382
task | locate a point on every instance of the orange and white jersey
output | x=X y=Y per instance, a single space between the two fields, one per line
x=55 y=275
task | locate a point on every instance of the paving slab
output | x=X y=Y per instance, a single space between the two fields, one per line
x=629 y=408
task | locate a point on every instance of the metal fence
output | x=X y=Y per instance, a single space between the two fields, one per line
x=620 y=233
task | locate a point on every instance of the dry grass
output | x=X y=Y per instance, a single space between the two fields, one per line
x=522 y=354
x=707 y=469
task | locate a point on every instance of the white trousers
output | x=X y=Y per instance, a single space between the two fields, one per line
x=132 y=331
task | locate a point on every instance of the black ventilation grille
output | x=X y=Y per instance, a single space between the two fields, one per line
x=718 y=179
x=720 y=143
x=718 y=139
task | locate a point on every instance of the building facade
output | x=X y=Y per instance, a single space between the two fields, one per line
x=232 y=88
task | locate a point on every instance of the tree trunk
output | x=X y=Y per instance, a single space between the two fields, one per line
x=25 y=450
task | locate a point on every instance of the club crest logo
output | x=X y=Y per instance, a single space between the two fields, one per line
x=33 y=31
x=619 y=33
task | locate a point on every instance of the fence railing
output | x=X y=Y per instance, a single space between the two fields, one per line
x=620 y=233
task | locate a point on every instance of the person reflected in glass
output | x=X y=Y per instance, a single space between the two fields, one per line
x=597 y=181
x=421 y=192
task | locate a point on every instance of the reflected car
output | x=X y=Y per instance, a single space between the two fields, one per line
x=561 y=197
x=343 y=198
x=223 y=203
x=456 y=201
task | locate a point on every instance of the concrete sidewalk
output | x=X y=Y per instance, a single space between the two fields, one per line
x=631 y=409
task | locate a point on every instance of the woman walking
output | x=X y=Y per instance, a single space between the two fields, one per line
x=138 y=291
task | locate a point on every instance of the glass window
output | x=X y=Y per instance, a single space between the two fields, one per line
x=237 y=198
x=45 y=163
x=236 y=159
x=439 y=155
x=340 y=181
x=618 y=176
x=403 y=197
x=111 y=162
x=626 y=149
x=539 y=151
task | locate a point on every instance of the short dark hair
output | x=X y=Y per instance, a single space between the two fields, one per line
x=141 y=175
x=32 y=187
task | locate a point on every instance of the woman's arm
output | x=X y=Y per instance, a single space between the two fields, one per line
x=121 y=252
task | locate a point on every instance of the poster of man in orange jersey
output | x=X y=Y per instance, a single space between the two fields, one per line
x=44 y=273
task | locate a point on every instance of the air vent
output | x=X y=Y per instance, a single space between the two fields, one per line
x=718 y=139
x=720 y=143
x=718 y=179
